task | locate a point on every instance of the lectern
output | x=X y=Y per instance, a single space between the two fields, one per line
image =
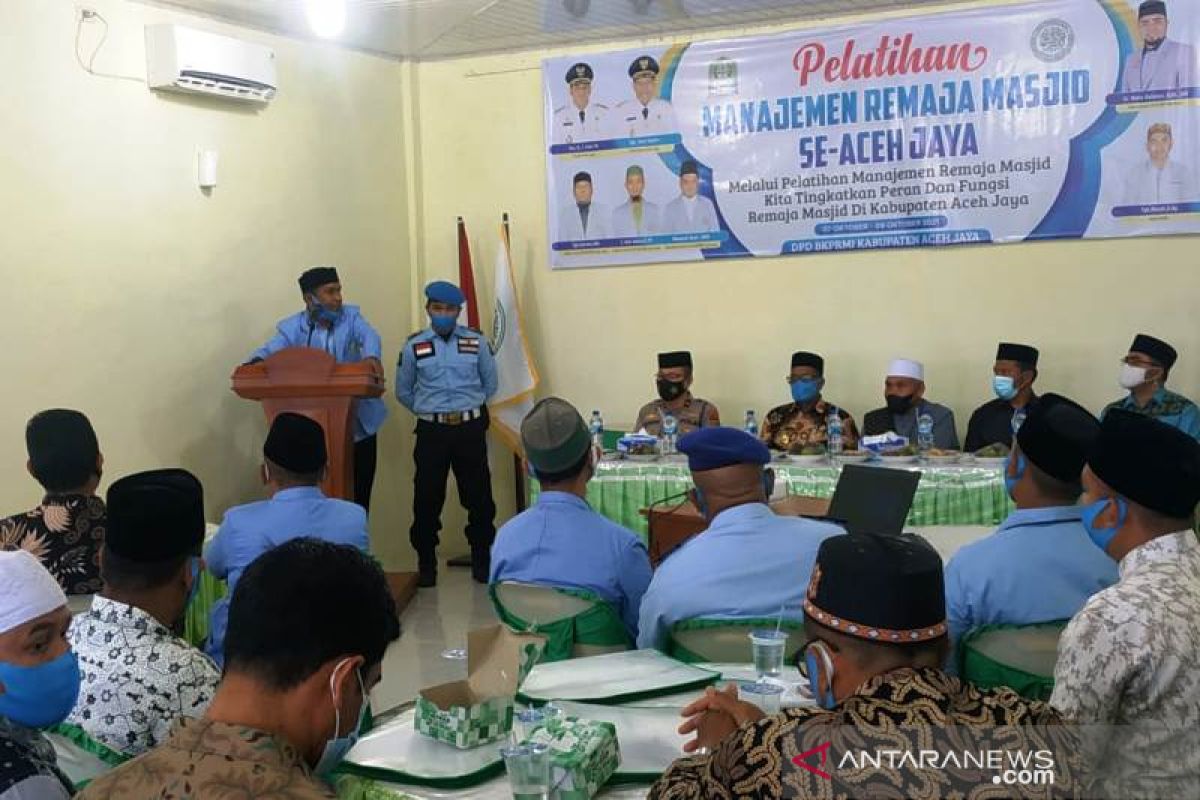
x=308 y=381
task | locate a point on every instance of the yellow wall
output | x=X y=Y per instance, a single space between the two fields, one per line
x=594 y=332
x=131 y=295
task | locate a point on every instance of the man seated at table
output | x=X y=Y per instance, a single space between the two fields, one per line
x=1013 y=375
x=804 y=421
x=1039 y=566
x=750 y=563
x=1127 y=662
x=308 y=628
x=294 y=464
x=875 y=620
x=65 y=532
x=1144 y=374
x=674 y=383
x=40 y=678
x=904 y=390
x=561 y=541
x=139 y=678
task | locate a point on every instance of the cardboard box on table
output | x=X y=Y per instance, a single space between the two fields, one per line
x=585 y=754
x=479 y=710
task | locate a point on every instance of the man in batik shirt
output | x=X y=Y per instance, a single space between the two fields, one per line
x=65 y=532
x=804 y=421
x=875 y=617
x=1127 y=661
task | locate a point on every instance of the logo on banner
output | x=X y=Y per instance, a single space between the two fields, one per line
x=1053 y=40
x=499 y=327
x=722 y=77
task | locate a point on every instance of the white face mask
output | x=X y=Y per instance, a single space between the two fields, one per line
x=1131 y=376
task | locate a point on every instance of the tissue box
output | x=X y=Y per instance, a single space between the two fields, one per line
x=479 y=710
x=585 y=755
x=883 y=442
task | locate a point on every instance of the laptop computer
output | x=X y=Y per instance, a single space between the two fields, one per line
x=873 y=499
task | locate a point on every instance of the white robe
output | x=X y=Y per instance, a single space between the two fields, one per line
x=703 y=216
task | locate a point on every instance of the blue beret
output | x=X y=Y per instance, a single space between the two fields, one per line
x=444 y=292
x=713 y=448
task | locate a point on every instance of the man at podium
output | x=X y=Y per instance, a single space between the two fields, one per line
x=343 y=332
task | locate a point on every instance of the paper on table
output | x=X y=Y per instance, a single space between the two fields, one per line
x=398 y=747
x=612 y=677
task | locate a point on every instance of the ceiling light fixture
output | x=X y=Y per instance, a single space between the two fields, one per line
x=326 y=17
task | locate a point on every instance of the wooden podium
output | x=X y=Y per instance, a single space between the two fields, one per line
x=308 y=381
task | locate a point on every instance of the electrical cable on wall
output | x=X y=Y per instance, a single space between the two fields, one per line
x=87 y=15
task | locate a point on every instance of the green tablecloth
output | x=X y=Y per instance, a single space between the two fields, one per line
x=947 y=495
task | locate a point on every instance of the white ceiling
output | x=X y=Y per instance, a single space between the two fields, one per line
x=445 y=28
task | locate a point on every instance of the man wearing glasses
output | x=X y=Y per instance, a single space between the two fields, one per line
x=802 y=422
x=1144 y=374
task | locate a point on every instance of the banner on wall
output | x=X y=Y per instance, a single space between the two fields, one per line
x=1050 y=120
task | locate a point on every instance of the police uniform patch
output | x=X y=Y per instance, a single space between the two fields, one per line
x=423 y=350
x=468 y=346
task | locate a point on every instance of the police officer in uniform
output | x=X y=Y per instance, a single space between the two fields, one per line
x=645 y=114
x=446 y=374
x=342 y=331
x=579 y=120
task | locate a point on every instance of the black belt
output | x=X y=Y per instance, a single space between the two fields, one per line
x=453 y=417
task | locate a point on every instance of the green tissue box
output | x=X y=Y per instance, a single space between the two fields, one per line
x=479 y=710
x=585 y=755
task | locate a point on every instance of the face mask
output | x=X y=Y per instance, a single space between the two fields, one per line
x=669 y=390
x=824 y=699
x=41 y=696
x=899 y=403
x=805 y=390
x=336 y=748
x=768 y=480
x=1004 y=387
x=1131 y=376
x=322 y=314
x=443 y=324
x=1102 y=537
x=1011 y=481
x=698 y=499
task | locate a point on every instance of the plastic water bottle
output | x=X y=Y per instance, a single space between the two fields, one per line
x=597 y=430
x=924 y=433
x=1018 y=419
x=833 y=432
x=751 y=426
x=670 y=430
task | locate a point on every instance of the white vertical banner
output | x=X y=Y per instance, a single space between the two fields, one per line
x=516 y=374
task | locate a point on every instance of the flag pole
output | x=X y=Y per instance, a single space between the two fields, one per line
x=518 y=466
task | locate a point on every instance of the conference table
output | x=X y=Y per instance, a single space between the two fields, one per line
x=963 y=494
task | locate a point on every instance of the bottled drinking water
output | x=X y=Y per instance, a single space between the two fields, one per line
x=751 y=426
x=670 y=432
x=924 y=433
x=597 y=430
x=833 y=432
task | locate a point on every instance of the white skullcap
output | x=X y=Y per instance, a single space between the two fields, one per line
x=906 y=368
x=27 y=589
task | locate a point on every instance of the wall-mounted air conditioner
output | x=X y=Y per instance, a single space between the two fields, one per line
x=187 y=60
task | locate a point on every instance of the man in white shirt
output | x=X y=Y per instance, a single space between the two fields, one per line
x=1126 y=667
x=691 y=212
x=580 y=120
x=584 y=218
x=1158 y=179
x=1161 y=64
x=645 y=114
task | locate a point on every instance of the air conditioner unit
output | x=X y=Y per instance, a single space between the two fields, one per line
x=187 y=60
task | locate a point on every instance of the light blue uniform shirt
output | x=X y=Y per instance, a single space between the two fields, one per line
x=439 y=375
x=250 y=530
x=1039 y=566
x=1169 y=408
x=351 y=339
x=748 y=564
x=562 y=542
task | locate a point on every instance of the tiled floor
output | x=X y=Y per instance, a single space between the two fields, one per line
x=437 y=619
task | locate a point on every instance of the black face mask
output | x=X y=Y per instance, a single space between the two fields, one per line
x=669 y=390
x=899 y=403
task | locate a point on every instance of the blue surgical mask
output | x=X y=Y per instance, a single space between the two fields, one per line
x=805 y=390
x=824 y=699
x=1004 y=387
x=323 y=314
x=701 y=504
x=40 y=696
x=1102 y=537
x=1011 y=481
x=443 y=324
x=336 y=748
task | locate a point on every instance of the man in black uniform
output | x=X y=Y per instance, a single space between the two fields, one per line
x=1013 y=375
